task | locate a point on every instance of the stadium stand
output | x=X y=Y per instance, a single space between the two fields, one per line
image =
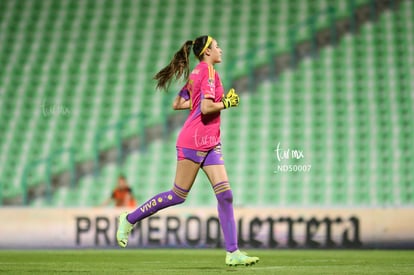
x=75 y=67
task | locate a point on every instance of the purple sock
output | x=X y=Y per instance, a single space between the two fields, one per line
x=175 y=196
x=226 y=215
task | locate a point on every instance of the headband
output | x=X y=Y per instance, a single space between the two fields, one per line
x=209 y=40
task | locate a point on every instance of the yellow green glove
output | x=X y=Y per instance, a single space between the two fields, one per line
x=231 y=99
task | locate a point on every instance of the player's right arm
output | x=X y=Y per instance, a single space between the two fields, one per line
x=182 y=100
x=180 y=103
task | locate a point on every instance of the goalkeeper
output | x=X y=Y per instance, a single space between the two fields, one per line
x=198 y=143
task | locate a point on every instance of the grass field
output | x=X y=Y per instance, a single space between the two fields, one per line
x=189 y=262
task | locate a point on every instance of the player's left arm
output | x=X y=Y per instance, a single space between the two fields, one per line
x=208 y=106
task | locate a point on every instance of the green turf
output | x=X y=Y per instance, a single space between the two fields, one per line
x=189 y=262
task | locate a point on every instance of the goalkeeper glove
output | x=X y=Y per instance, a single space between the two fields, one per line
x=231 y=99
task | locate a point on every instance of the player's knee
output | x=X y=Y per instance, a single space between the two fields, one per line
x=179 y=194
x=178 y=199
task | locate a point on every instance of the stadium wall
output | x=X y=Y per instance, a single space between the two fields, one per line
x=183 y=227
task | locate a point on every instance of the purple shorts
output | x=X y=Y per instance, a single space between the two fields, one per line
x=205 y=158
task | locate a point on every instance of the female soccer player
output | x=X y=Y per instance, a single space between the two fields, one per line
x=198 y=143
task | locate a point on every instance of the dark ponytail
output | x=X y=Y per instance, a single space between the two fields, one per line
x=179 y=65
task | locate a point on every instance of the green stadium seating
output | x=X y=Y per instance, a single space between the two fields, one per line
x=74 y=67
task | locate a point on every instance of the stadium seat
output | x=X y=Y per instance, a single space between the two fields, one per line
x=349 y=110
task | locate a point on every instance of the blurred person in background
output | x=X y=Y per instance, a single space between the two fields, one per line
x=122 y=194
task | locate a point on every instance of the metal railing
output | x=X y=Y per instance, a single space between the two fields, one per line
x=47 y=179
x=118 y=128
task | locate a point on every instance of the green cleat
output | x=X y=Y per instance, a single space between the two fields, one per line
x=124 y=228
x=239 y=258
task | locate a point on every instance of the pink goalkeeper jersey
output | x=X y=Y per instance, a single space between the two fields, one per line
x=201 y=132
